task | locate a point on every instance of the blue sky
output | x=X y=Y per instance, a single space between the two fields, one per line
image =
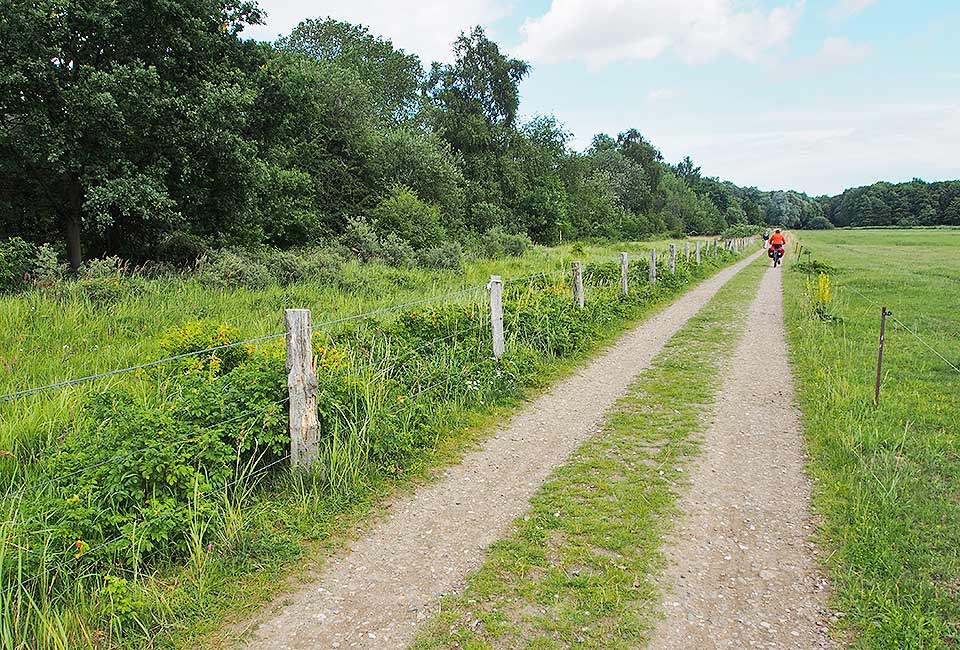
x=813 y=95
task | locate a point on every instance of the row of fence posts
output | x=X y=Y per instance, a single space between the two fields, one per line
x=302 y=379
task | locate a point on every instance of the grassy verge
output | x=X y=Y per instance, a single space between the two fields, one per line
x=176 y=570
x=578 y=568
x=888 y=479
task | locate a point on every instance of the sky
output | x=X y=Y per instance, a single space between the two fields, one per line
x=811 y=95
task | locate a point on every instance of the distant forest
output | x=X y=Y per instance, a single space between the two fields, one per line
x=160 y=133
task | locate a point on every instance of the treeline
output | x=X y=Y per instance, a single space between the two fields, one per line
x=916 y=203
x=158 y=132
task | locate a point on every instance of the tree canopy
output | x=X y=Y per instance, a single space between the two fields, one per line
x=137 y=129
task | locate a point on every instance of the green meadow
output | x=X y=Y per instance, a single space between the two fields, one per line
x=887 y=478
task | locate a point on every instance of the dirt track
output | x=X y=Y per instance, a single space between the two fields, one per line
x=374 y=594
x=742 y=569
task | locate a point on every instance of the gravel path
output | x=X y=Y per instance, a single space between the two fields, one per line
x=743 y=572
x=375 y=593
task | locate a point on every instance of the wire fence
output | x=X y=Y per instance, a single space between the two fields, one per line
x=381 y=366
x=904 y=326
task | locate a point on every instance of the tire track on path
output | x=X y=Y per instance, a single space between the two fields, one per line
x=375 y=593
x=742 y=569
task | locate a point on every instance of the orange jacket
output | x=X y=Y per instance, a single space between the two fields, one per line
x=776 y=239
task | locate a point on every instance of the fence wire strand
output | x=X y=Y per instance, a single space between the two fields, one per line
x=904 y=326
x=150 y=364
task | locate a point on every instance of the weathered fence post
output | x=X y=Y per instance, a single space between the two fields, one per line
x=673 y=259
x=496 y=315
x=578 y=284
x=302 y=387
x=686 y=252
x=698 y=253
x=624 y=274
x=883 y=327
x=653 y=265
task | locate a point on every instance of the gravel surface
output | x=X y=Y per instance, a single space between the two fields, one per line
x=743 y=572
x=375 y=593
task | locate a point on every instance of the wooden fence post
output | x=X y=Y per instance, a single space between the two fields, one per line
x=653 y=265
x=883 y=327
x=496 y=315
x=624 y=273
x=673 y=258
x=578 y=284
x=302 y=387
x=698 y=253
x=686 y=252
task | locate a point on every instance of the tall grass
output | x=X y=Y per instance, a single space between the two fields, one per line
x=398 y=391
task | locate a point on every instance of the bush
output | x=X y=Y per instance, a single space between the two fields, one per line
x=405 y=215
x=361 y=239
x=448 y=255
x=497 y=243
x=203 y=335
x=47 y=269
x=229 y=268
x=16 y=258
x=397 y=252
x=99 y=268
x=181 y=249
x=741 y=230
x=819 y=223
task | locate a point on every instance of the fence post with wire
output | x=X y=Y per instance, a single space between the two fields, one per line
x=302 y=385
x=578 y=284
x=624 y=274
x=653 y=266
x=496 y=315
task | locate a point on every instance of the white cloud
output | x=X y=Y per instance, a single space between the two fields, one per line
x=659 y=94
x=838 y=52
x=822 y=150
x=846 y=8
x=600 y=32
x=426 y=27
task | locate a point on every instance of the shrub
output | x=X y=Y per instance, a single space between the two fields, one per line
x=497 y=242
x=361 y=239
x=405 y=215
x=741 y=230
x=819 y=223
x=232 y=268
x=16 y=257
x=397 y=252
x=103 y=267
x=448 y=255
x=47 y=269
x=181 y=248
x=202 y=335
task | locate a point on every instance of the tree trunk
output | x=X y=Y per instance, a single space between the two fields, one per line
x=72 y=222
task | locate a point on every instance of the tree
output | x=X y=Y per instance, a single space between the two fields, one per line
x=688 y=173
x=476 y=98
x=393 y=76
x=91 y=93
x=633 y=145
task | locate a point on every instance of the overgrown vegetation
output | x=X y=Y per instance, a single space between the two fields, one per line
x=133 y=505
x=887 y=478
x=159 y=133
x=579 y=567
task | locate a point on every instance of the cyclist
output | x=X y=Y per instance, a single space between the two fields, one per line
x=777 y=242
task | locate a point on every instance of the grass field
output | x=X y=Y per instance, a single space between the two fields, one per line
x=887 y=478
x=156 y=546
